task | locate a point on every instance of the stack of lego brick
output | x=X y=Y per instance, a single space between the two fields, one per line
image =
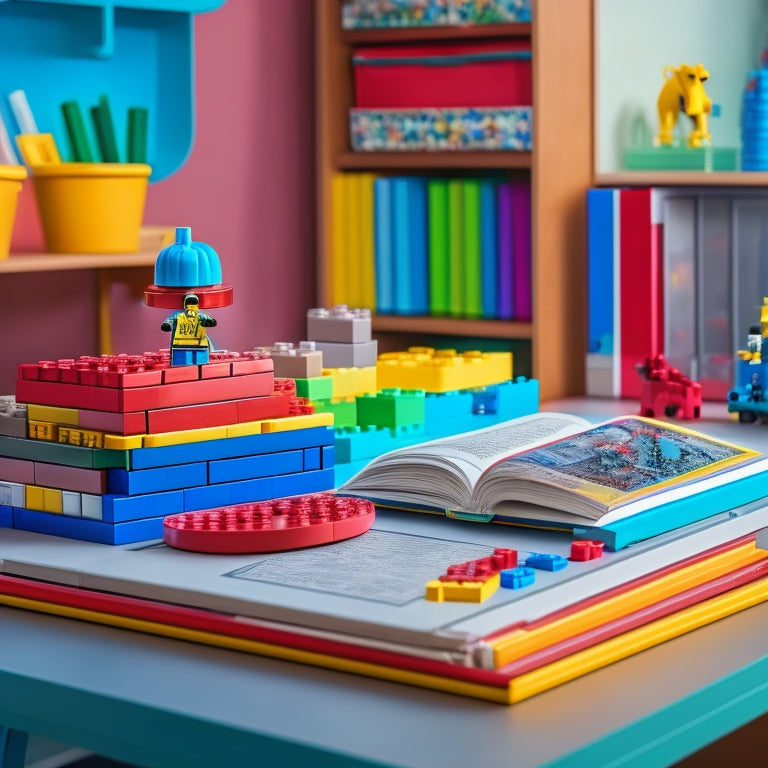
x=112 y=444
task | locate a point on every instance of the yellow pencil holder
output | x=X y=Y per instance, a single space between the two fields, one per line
x=91 y=207
x=11 y=177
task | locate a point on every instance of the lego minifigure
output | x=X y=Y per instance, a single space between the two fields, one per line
x=189 y=339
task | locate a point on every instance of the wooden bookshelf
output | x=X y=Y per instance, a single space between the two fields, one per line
x=560 y=168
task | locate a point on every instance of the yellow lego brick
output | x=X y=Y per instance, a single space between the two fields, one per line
x=462 y=591
x=246 y=428
x=67 y=416
x=289 y=423
x=184 y=436
x=43 y=430
x=123 y=442
x=87 y=438
x=35 y=498
x=442 y=370
x=52 y=500
x=350 y=382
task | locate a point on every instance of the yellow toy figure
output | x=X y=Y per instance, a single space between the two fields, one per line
x=684 y=91
x=189 y=340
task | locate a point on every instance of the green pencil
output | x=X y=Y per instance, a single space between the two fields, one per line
x=78 y=138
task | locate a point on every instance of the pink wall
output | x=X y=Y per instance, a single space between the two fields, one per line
x=247 y=189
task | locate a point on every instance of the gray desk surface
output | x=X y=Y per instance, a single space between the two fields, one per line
x=162 y=702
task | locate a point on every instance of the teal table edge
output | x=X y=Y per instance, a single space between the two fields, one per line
x=681 y=728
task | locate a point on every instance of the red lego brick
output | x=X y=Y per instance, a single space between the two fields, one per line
x=192 y=417
x=178 y=373
x=270 y=526
x=68 y=395
x=584 y=550
x=483 y=568
x=28 y=371
x=288 y=386
x=216 y=370
x=132 y=423
x=195 y=392
x=251 y=365
x=275 y=406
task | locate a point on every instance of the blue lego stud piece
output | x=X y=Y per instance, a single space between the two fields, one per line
x=546 y=562
x=517 y=578
x=187 y=263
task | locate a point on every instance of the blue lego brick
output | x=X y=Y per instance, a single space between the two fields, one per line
x=6 y=516
x=120 y=509
x=88 y=530
x=231 y=447
x=444 y=407
x=249 y=467
x=303 y=482
x=311 y=459
x=327 y=456
x=61 y=453
x=545 y=562
x=517 y=578
x=138 y=481
x=223 y=494
x=516 y=398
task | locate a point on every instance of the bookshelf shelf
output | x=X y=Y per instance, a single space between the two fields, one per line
x=560 y=169
x=447 y=32
x=430 y=160
x=683 y=178
x=453 y=326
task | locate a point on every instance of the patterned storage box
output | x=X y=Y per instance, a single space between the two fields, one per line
x=450 y=128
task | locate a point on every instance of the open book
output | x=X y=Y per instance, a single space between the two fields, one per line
x=555 y=468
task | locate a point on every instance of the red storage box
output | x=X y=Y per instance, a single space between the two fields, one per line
x=476 y=74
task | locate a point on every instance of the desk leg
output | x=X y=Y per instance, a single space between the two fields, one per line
x=13 y=748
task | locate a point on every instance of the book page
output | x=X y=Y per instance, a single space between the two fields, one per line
x=609 y=466
x=442 y=473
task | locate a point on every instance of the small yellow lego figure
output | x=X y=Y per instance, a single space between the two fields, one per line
x=684 y=90
x=189 y=340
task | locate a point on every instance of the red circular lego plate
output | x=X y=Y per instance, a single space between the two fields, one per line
x=270 y=526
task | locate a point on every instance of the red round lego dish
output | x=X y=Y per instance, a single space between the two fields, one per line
x=270 y=526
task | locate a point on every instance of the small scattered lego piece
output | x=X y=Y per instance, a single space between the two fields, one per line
x=586 y=549
x=473 y=581
x=545 y=562
x=665 y=390
x=270 y=526
x=517 y=578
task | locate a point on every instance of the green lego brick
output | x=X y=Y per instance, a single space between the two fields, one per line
x=316 y=388
x=671 y=158
x=391 y=408
x=61 y=453
x=344 y=411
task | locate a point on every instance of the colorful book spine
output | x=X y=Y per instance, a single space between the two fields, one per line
x=438 y=229
x=367 y=297
x=603 y=305
x=505 y=303
x=418 y=249
x=353 y=222
x=401 y=240
x=489 y=247
x=641 y=325
x=456 y=247
x=339 y=240
x=472 y=256
x=383 y=246
x=521 y=233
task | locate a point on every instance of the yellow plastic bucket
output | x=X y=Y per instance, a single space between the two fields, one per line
x=11 y=177
x=91 y=207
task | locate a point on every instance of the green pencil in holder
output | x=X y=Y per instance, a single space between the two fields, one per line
x=138 y=118
x=101 y=115
x=78 y=138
